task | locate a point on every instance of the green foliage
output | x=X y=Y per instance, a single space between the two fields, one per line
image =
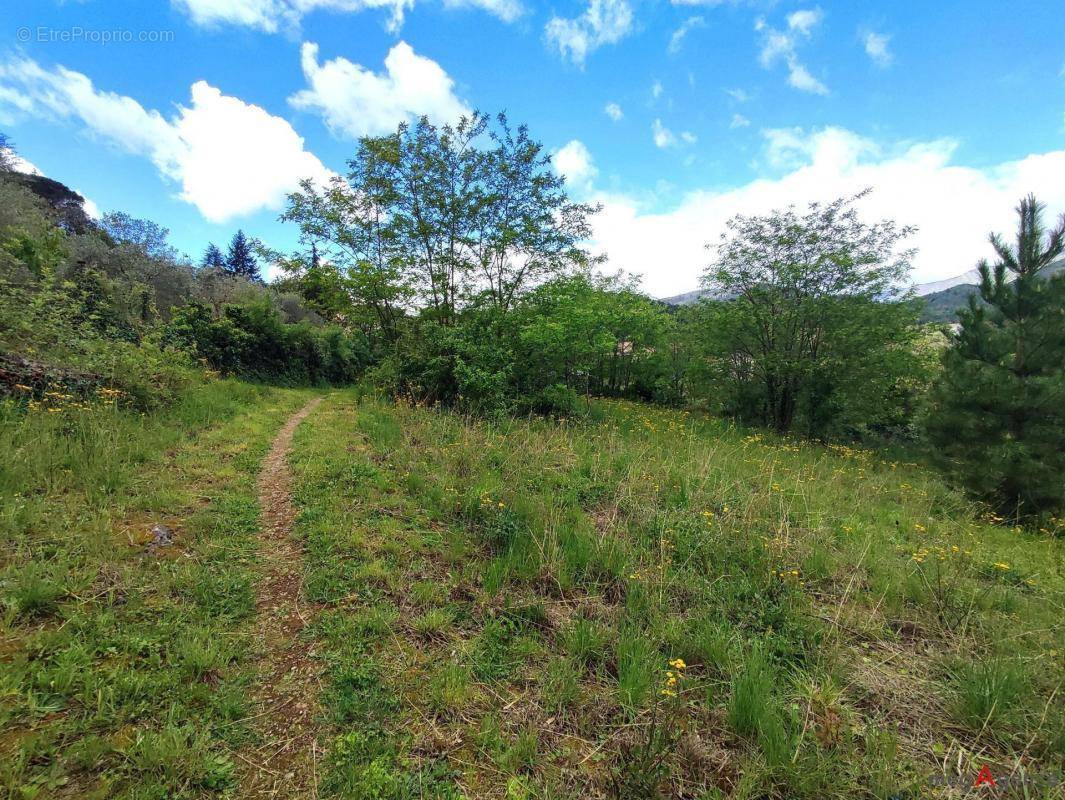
x=987 y=691
x=811 y=333
x=753 y=707
x=253 y=341
x=113 y=307
x=997 y=420
x=240 y=261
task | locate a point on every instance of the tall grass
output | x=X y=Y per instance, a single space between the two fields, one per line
x=777 y=570
x=125 y=668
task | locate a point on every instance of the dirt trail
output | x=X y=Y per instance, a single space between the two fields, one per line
x=284 y=763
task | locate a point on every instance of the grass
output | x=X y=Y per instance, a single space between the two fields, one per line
x=848 y=626
x=123 y=668
x=640 y=603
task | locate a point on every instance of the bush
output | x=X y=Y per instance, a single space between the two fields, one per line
x=252 y=341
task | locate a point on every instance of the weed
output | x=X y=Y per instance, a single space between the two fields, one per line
x=450 y=689
x=33 y=591
x=987 y=691
x=637 y=661
x=433 y=622
x=586 y=642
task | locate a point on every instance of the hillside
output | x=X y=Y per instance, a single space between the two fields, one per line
x=943 y=305
x=639 y=603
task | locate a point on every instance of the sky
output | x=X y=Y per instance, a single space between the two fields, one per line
x=674 y=115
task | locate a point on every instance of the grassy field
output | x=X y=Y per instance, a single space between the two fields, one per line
x=124 y=667
x=649 y=603
x=643 y=603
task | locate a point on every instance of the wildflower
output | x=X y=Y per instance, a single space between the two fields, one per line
x=1002 y=565
x=678 y=663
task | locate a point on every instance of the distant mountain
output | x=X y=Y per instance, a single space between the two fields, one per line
x=685 y=299
x=943 y=305
x=942 y=298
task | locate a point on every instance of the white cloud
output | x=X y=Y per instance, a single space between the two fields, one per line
x=782 y=46
x=355 y=101
x=273 y=15
x=506 y=10
x=574 y=162
x=20 y=164
x=738 y=95
x=613 y=110
x=229 y=157
x=656 y=89
x=663 y=136
x=739 y=121
x=603 y=22
x=877 y=48
x=917 y=183
x=805 y=20
x=676 y=41
x=90 y=207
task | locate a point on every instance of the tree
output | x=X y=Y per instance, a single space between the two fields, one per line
x=997 y=420
x=528 y=231
x=7 y=153
x=213 y=258
x=811 y=322
x=150 y=237
x=240 y=260
x=443 y=219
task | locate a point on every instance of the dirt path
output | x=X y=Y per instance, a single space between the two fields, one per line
x=284 y=763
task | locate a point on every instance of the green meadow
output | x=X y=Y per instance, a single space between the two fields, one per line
x=634 y=603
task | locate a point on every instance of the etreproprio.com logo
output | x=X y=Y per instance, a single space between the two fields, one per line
x=986 y=784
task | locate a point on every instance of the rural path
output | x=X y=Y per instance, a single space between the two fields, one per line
x=284 y=765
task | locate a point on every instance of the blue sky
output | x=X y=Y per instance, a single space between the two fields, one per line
x=950 y=111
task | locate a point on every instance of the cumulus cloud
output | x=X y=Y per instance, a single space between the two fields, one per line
x=783 y=46
x=273 y=15
x=739 y=121
x=676 y=41
x=603 y=22
x=575 y=164
x=955 y=206
x=229 y=157
x=613 y=110
x=877 y=47
x=355 y=101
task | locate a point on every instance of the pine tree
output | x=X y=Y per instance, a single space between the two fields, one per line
x=240 y=260
x=998 y=414
x=213 y=258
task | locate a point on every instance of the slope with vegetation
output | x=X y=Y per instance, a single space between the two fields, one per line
x=651 y=603
x=535 y=553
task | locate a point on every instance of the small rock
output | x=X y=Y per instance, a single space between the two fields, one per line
x=162 y=536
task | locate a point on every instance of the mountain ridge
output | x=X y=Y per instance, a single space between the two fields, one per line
x=942 y=298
